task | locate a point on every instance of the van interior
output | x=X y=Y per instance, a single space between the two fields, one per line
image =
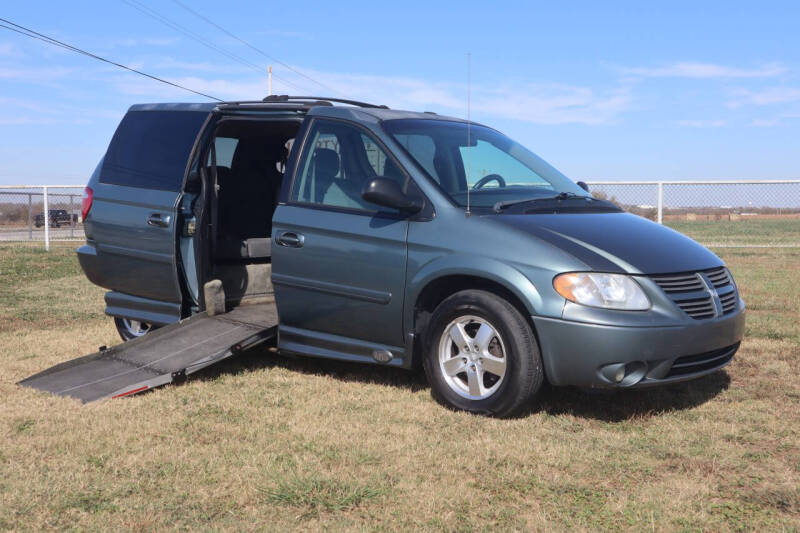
x=246 y=161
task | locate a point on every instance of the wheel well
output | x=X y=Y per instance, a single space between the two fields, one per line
x=439 y=289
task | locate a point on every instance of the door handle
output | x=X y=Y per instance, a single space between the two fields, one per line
x=158 y=221
x=290 y=239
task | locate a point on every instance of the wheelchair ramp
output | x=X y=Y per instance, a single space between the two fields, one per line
x=165 y=355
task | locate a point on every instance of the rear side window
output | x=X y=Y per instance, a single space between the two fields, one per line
x=150 y=149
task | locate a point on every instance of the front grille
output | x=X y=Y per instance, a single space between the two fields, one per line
x=719 y=277
x=691 y=364
x=690 y=291
x=728 y=302
x=673 y=283
x=698 y=308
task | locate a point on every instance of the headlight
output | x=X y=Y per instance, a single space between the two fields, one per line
x=611 y=291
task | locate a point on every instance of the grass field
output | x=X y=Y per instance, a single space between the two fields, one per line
x=744 y=231
x=269 y=443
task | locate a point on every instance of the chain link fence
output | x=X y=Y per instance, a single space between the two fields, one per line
x=23 y=208
x=747 y=213
x=754 y=213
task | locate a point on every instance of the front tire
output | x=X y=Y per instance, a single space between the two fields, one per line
x=481 y=355
x=130 y=329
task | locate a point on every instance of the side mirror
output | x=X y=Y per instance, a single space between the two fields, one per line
x=387 y=193
x=582 y=185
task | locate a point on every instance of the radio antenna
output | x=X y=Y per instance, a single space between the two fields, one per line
x=469 y=165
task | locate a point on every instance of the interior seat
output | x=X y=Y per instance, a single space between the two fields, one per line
x=330 y=190
x=326 y=167
x=247 y=198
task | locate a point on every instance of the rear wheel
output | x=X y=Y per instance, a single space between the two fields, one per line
x=131 y=329
x=481 y=355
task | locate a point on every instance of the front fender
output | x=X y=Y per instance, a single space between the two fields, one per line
x=469 y=265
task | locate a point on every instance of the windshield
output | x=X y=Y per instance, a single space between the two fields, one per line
x=491 y=166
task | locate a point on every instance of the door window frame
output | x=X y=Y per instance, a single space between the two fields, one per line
x=408 y=184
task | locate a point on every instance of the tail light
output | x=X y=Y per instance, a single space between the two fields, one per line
x=86 y=202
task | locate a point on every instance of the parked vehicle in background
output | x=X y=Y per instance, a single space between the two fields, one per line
x=396 y=238
x=57 y=217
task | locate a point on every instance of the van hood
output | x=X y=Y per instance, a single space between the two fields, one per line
x=616 y=242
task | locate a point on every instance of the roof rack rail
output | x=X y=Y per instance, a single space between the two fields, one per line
x=285 y=98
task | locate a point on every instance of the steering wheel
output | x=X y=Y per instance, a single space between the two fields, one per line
x=486 y=179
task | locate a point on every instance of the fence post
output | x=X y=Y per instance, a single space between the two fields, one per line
x=30 y=217
x=660 y=202
x=71 y=220
x=46 y=220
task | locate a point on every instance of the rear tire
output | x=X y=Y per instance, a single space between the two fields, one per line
x=131 y=329
x=481 y=355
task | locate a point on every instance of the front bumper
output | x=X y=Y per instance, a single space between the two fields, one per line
x=588 y=355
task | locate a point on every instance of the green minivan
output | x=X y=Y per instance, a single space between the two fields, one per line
x=398 y=238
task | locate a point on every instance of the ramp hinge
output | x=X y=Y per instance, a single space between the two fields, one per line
x=103 y=348
x=179 y=376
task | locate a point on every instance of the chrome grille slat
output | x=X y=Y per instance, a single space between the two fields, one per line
x=684 y=287
x=696 y=307
x=689 y=305
x=669 y=278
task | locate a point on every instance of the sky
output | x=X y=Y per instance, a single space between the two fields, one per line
x=602 y=90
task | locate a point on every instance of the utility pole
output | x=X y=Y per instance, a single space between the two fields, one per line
x=269 y=80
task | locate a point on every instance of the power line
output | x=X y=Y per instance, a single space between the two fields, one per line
x=33 y=36
x=254 y=48
x=194 y=36
x=22 y=30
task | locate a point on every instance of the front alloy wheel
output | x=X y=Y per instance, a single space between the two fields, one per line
x=481 y=355
x=472 y=357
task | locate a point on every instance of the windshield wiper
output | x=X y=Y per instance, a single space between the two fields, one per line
x=500 y=206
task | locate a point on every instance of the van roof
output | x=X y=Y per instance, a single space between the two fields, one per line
x=177 y=106
x=298 y=103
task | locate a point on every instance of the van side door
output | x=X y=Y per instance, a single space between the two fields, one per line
x=339 y=262
x=133 y=222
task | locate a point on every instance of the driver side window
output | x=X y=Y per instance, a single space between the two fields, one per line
x=484 y=159
x=337 y=160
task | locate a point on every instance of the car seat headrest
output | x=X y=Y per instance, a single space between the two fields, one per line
x=326 y=162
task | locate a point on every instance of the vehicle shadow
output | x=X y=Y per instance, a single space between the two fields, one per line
x=259 y=358
x=620 y=405
x=603 y=405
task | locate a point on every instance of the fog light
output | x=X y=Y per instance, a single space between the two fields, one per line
x=613 y=373
x=624 y=374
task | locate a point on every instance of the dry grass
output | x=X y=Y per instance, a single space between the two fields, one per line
x=270 y=443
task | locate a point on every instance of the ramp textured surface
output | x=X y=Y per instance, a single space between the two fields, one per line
x=160 y=357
